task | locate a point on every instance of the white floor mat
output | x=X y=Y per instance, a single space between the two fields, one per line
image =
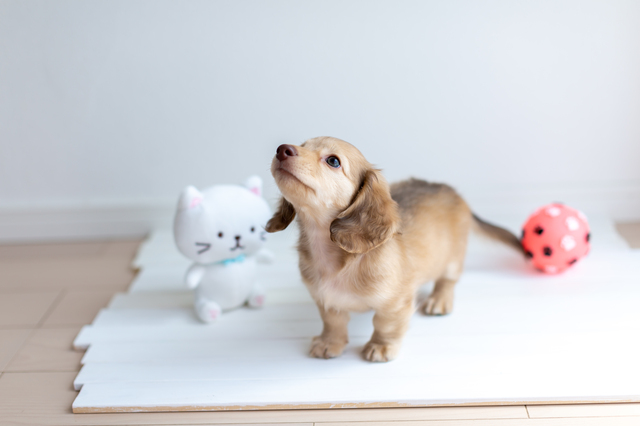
x=515 y=336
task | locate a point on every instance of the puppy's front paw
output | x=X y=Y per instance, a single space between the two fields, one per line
x=324 y=348
x=380 y=352
x=438 y=304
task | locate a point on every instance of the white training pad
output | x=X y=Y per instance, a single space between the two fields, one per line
x=515 y=336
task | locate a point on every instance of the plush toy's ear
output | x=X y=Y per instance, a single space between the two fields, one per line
x=190 y=198
x=370 y=220
x=254 y=184
x=282 y=217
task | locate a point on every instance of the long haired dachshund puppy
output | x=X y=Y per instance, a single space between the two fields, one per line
x=367 y=246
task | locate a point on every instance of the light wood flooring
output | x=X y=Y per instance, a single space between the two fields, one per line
x=48 y=291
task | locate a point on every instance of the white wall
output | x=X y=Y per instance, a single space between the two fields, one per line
x=107 y=108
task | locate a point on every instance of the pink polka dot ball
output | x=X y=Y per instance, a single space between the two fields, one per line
x=555 y=237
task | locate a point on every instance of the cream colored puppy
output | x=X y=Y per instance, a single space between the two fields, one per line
x=367 y=246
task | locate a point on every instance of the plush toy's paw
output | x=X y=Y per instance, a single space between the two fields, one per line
x=440 y=303
x=379 y=352
x=207 y=310
x=324 y=348
x=256 y=297
x=256 y=301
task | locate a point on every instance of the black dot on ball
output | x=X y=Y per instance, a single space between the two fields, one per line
x=572 y=261
x=522 y=236
x=528 y=254
x=538 y=230
x=588 y=237
x=547 y=251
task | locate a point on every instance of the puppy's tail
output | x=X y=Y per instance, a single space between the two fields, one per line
x=497 y=233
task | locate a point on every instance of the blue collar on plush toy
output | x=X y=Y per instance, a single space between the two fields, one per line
x=228 y=262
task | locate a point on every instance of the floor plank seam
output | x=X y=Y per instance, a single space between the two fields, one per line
x=18 y=327
x=44 y=371
x=32 y=332
x=53 y=306
x=624 y=416
x=60 y=326
x=526 y=407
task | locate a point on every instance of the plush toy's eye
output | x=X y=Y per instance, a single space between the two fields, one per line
x=220 y=234
x=333 y=162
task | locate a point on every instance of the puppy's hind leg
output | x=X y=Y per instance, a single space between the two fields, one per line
x=440 y=302
x=334 y=337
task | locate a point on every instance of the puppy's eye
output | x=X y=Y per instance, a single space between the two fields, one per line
x=220 y=234
x=333 y=162
x=253 y=229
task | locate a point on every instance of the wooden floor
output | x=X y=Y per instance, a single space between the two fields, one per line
x=48 y=291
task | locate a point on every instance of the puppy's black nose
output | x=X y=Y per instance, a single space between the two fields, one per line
x=285 y=151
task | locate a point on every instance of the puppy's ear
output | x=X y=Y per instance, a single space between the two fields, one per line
x=282 y=217
x=370 y=220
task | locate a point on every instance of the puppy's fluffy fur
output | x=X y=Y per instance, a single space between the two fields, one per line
x=365 y=245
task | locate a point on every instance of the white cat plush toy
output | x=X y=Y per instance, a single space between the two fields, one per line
x=222 y=230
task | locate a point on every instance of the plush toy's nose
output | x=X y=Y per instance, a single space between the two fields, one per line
x=237 y=237
x=285 y=151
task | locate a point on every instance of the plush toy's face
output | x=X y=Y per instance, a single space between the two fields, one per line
x=221 y=222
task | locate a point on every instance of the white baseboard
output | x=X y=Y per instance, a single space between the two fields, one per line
x=617 y=202
x=83 y=223
x=135 y=220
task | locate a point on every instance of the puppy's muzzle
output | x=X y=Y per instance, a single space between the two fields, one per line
x=285 y=151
